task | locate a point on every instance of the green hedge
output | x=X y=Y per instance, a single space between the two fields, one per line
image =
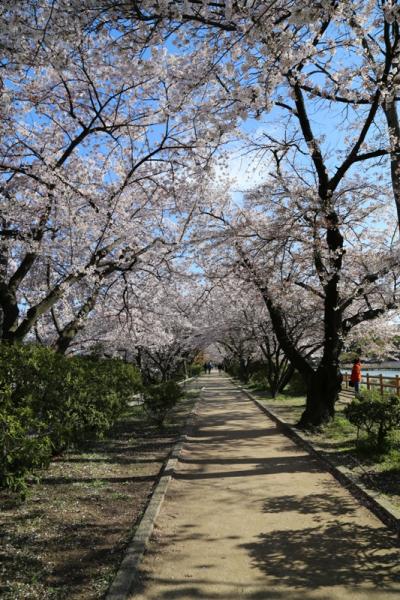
x=160 y=399
x=375 y=414
x=49 y=402
x=195 y=370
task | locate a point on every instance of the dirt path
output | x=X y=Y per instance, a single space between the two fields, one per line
x=250 y=515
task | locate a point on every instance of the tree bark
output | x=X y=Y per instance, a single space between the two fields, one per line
x=323 y=383
x=390 y=110
x=70 y=331
x=322 y=393
x=285 y=378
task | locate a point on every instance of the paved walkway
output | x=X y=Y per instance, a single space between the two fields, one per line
x=250 y=515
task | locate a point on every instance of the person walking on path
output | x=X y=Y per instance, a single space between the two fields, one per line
x=355 y=377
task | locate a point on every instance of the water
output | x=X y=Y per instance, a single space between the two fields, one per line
x=375 y=372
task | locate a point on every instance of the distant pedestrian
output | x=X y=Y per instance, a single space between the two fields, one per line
x=355 y=377
x=220 y=367
x=209 y=367
x=205 y=367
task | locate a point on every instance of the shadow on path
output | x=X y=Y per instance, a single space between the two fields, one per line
x=341 y=554
x=252 y=516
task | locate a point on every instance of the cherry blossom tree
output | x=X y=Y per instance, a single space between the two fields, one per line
x=98 y=159
x=341 y=267
x=340 y=59
x=148 y=319
x=233 y=315
x=376 y=340
x=111 y=115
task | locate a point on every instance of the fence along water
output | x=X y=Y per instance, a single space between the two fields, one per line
x=384 y=384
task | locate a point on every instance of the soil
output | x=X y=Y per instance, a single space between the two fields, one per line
x=67 y=539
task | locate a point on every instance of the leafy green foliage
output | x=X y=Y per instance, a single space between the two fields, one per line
x=245 y=369
x=195 y=370
x=25 y=445
x=258 y=379
x=376 y=415
x=297 y=385
x=160 y=399
x=49 y=402
x=350 y=356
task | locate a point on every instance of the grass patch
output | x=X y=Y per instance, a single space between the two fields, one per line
x=287 y=407
x=339 y=429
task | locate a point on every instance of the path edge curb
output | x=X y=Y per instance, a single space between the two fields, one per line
x=361 y=493
x=122 y=583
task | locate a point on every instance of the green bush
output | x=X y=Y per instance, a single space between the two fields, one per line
x=259 y=380
x=92 y=394
x=24 y=440
x=350 y=356
x=195 y=370
x=24 y=443
x=160 y=399
x=49 y=402
x=297 y=385
x=243 y=369
x=232 y=368
x=376 y=415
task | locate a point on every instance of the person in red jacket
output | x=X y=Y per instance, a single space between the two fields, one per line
x=355 y=376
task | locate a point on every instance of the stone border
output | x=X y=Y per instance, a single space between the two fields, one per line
x=381 y=508
x=127 y=573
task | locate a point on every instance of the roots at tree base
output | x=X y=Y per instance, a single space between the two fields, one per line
x=322 y=393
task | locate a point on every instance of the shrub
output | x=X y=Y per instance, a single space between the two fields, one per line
x=49 y=402
x=91 y=395
x=24 y=443
x=259 y=380
x=297 y=386
x=160 y=399
x=376 y=415
x=195 y=370
x=243 y=369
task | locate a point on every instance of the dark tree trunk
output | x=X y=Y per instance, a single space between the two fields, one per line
x=390 y=110
x=10 y=313
x=67 y=335
x=322 y=393
x=4 y=256
x=65 y=339
x=323 y=383
x=323 y=386
x=286 y=377
x=279 y=369
x=244 y=370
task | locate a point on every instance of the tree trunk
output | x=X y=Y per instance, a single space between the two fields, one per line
x=244 y=370
x=10 y=313
x=322 y=393
x=70 y=331
x=323 y=383
x=390 y=110
x=286 y=377
x=4 y=256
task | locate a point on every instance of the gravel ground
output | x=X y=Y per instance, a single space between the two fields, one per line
x=251 y=515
